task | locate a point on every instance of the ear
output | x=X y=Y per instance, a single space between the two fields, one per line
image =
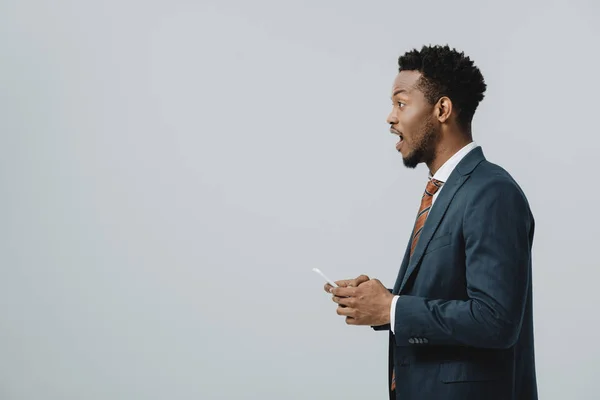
x=443 y=109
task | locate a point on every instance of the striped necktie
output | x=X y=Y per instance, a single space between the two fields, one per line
x=432 y=187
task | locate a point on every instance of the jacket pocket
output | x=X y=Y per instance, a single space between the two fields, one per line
x=438 y=242
x=460 y=371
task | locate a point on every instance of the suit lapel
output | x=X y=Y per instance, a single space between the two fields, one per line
x=456 y=179
x=433 y=220
x=403 y=268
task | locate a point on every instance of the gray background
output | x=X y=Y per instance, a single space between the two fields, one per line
x=172 y=170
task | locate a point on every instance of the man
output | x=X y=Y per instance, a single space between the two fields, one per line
x=460 y=312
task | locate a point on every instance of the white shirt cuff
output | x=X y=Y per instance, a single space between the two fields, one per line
x=393 y=313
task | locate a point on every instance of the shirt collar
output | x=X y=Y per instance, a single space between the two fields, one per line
x=446 y=169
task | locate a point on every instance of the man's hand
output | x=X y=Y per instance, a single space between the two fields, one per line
x=347 y=283
x=366 y=304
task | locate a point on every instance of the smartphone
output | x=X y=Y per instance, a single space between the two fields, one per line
x=318 y=271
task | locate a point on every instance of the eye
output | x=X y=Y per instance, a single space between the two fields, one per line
x=401 y=104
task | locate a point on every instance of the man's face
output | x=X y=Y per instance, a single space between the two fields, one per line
x=412 y=119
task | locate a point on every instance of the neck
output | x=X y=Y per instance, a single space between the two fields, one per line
x=447 y=149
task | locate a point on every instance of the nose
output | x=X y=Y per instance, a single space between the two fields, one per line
x=392 y=119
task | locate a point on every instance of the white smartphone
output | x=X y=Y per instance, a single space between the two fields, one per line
x=318 y=271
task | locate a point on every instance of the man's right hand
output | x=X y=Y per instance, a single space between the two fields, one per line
x=347 y=283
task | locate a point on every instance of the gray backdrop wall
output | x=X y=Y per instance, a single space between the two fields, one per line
x=172 y=170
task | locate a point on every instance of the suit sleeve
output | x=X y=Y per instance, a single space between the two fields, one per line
x=497 y=229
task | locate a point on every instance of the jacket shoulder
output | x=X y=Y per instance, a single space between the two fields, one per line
x=496 y=181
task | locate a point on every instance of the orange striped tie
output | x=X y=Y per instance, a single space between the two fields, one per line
x=432 y=187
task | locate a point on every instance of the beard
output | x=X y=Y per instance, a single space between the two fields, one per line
x=424 y=149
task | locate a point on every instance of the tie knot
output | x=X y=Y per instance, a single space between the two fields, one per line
x=433 y=186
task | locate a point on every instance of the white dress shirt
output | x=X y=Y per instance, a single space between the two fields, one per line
x=442 y=175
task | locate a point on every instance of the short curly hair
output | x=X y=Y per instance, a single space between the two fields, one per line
x=447 y=72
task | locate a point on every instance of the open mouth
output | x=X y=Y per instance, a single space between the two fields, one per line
x=397 y=133
x=400 y=142
x=393 y=131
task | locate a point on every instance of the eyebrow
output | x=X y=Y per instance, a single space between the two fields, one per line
x=399 y=91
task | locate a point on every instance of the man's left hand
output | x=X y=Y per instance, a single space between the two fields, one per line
x=367 y=304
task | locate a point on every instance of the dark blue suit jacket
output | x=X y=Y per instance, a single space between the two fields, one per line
x=463 y=322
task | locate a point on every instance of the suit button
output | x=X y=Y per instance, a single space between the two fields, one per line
x=421 y=340
x=411 y=341
x=425 y=340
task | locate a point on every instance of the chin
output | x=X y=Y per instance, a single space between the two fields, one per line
x=410 y=164
x=410 y=161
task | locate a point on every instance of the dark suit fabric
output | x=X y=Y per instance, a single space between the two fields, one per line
x=463 y=321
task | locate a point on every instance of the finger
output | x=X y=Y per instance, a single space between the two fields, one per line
x=343 y=291
x=343 y=282
x=328 y=287
x=360 y=279
x=345 y=311
x=343 y=301
x=373 y=286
